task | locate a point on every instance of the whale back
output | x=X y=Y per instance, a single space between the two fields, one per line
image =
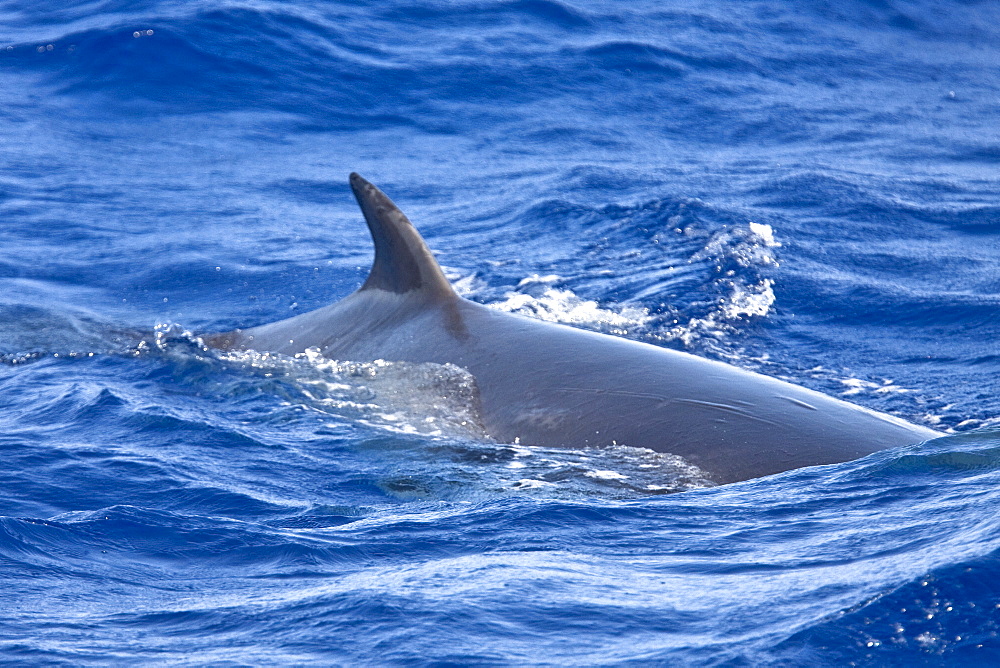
x=541 y=383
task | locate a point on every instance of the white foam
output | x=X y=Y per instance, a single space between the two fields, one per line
x=435 y=400
x=564 y=306
x=765 y=233
x=606 y=475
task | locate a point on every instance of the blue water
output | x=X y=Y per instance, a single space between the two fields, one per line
x=806 y=189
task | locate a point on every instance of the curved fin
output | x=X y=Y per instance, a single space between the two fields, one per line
x=403 y=263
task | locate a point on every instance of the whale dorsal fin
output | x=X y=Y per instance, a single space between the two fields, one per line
x=403 y=263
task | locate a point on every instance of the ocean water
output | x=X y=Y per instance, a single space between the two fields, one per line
x=808 y=189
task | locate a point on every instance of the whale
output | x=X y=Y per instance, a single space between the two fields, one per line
x=546 y=384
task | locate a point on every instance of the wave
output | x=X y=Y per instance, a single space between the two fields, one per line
x=898 y=582
x=802 y=190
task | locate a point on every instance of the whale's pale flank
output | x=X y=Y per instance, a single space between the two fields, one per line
x=552 y=385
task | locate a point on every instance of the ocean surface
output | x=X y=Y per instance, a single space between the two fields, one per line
x=806 y=189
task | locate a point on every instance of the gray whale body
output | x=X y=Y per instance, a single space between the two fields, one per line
x=552 y=385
